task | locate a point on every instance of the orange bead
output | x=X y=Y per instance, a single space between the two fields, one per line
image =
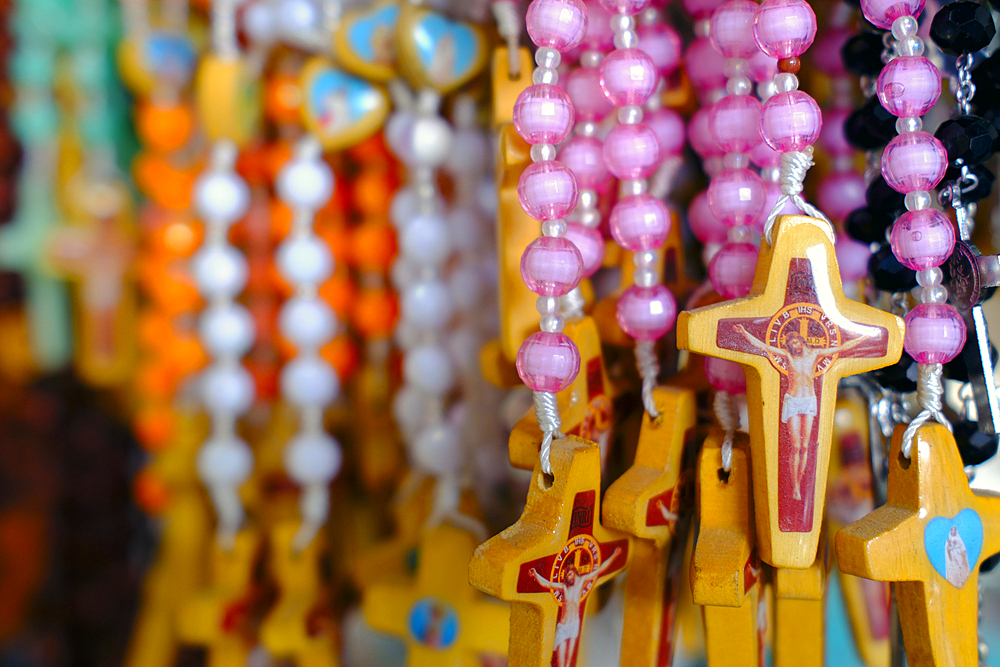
x=375 y=313
x=278 y=153
x=340 y=292
x=283 y=99
x=152 y=493
x=373 y=247
x=265 y=372
x=342 y=353
x=187 y=355
x=154 y=427
x=370 y=150
x=164 y=128
x=336 y=234
x=372 y=192
x=166 y=184
x=156 y=379
x=281 y=220
x=253 y=164
x=153 y=327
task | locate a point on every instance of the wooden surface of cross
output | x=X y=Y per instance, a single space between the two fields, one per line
x=652 y=500
x=929 y=539
x=550 y=562
x=796 y=335
x=443 y=620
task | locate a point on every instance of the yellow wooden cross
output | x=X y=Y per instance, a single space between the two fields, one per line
x=444 y=621
x=550 y=561
x=929 y=539
x=796 y=335
x=800 y=613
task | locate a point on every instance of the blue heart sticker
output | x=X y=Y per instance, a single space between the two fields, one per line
x=339 y=101
x=953 y=545
x=371 y=37
x=448 y=50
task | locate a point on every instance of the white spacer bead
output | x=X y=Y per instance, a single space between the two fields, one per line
x=220 y=271
x=307 y=322
x=227 y=330
x=305 y=260
x=313 y=458
x=227 y=389
x=309 y=382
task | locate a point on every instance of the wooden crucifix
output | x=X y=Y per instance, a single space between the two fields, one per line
x=796 y=335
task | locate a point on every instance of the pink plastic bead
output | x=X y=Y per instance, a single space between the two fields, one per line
x=584 y=156
x=840 y=193
x=731 y=29
x=590 y=243
x=737 y=197
x=762 y=67
x=852 y=257
x=832 y=137
x=639 y=223
x=557 y=24
x=725 y=375
x=922 y=239
x=773 y=191
x=784 y=28
x=551 y=266
x=624 y=6
x=669 y=128
x=881 y=13
x=826 y=52
x=700 y=134
x=914 y=161
x=646 y=313
x=790 y=121
x=764 y=156
x=628 y=76
x=663 y=45
x=705 y=226
x=935 y=333
x=705 y=66
x=731 y=270
x=701 y=9
x=583 y=86
x=543 y=114
x=908 y=86
x=548 y=361
x=547 y=190
x=599 y=35
x=631 y=151
x=735 y=121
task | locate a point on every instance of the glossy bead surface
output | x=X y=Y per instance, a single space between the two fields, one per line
x=914 y=161
x=705 y=225
x=705 y=66
x=548 y=361
x=840 y=193
x=557 y=24
x=551 y=266
x=867 y=225
x=700 y=134
x=663 y=45
x=790 y=121
x=631 y=151
x=639 y=223
x=737 y=197
x=543 y=114
x=669 y=128
x=922 y=239
x=583 y=85
x=784 y=28
x=969 y=140
x=547 y=190
x=701 y=9
x=731 y=29
x=731 y=270
x=870 y=127
x=628 y=7
x=628 y=77
x=883 y=199
x=935 y=333
x=646 y=313
x=725 y=375
x=764 y=156
x=963 y=27
x=599 y=35
x=888 y=274
x=762 y=67
x=584 y=156
x=735 y=123
x=590 y=243
x=909 y=86
x=862 y=54
x=881 y=13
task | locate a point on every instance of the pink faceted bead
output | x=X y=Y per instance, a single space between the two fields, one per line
x=914 y=161
x=731 y=29
x=705 y=226
x=909 y=86
x=784 y=28
x=628 y=76
x=725 y=375
x=762 y=67
x=790 y=121
x=551 y=266
x=624 y=6
x=663 y=45
x=922 y=239
x=543 y=114
x=590 y=243
x=773 y=191
x=705 y=66
x=669 y=128
x=735 y=120
x=631 y=151
x=935 y=333
x=547 y=190
x=584 y=156
x=599 y=35
x=840 y=193
x=881 y=13
x=646 y=313
x=826 y=52
x=737 y=197
x=701 y=9
x=557 y=24
x=583 y=86
x=700 y=134
x=639 y=223
x=548 y=361
x=731 y=270
x=832 y=137
x=764 y=156
x=852 y=258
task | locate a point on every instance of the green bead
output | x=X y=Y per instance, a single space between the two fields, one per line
x=35 y=121
x=33 y=66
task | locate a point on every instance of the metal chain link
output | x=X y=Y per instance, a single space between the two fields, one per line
x=965 y=90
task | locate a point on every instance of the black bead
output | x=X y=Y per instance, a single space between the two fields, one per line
x=870 y=127
x=984 y=182
x=963 y=27
x=862 y=54
x=883 y=199
x=969 y=140
x=975 y=446
x=958 y=370
x=901 y=376
x=867 y=225
x=888 y=274
x=989 y=563
x=986 y=76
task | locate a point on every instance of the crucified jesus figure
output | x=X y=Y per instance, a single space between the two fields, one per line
x=799 y=407
x=572 y=587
